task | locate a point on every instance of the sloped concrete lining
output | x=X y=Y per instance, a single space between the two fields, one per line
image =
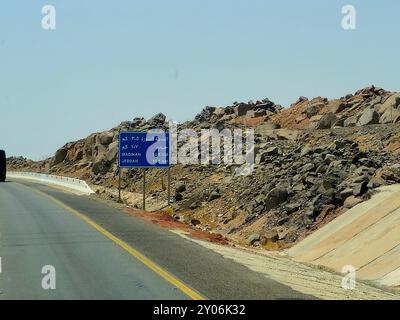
x=79 y=186
x=366 y=237
x=391 y=278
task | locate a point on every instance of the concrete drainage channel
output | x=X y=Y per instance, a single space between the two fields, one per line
x=72 y=184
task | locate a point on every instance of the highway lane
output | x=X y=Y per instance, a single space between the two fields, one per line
x=36 y=230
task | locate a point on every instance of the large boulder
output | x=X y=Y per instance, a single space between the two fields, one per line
x=111 y=154
x=336 y=106
x=390 y=109
x=181 y=187
x=392 y=101
x=137 y=122
x=369 y=116
x=267 y=105
x=313 y=110
x=272 y=151
x=351 y=202
x=350 y=121
x=243 y=108
x=275 y=197
x=327 y=121
x=270 y=236
x=99 y=151
x=105 y=138
x=100 y=166
x=205 y=114
x=253 y=239
x=215 y=194
x=89 y=145
x=390 y=173
x=158 y=119
x=59 y=156
x=391 y=115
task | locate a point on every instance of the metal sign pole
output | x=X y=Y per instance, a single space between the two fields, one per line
x=119 y=184
x=169 y=185
x=119 y=167
x=144 y=189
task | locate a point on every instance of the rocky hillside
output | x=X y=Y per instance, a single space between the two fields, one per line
x=314 y=160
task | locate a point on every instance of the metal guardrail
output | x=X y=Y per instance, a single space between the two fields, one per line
x=66 y=182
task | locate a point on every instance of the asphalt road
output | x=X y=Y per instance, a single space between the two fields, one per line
x=113 y=256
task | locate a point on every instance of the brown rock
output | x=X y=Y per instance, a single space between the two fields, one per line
x=351 y=202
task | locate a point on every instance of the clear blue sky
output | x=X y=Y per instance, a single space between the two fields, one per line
x=110 y=61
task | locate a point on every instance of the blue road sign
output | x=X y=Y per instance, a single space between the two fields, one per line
x=144 y=149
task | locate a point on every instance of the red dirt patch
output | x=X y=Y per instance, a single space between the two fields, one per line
x=164 y=220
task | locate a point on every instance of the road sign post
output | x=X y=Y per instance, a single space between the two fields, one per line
x=169 y=186
x=145 y=150
x=119 y=173
x=119 y=185
x=144 y=189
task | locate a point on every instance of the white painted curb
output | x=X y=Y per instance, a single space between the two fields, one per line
x=65 y=182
